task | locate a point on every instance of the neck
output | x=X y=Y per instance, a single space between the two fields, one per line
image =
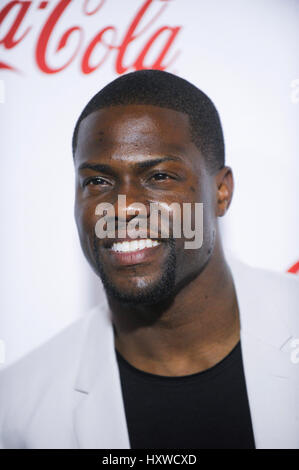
x=190 y=334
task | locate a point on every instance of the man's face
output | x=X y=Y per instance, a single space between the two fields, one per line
x=145 y=153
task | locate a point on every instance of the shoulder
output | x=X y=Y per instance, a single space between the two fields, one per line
x=260 y=279
x=266 y=296
x=55 y=353
x=267 y=275
x=48 y=369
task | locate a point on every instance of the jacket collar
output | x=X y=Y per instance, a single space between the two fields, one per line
x=100 y=421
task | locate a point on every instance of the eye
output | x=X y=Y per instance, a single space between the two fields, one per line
x=95 y=181
x=160 y=176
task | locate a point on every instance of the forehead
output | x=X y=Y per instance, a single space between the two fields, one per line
x=135 y=127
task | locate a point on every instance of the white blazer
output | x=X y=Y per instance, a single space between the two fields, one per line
x=67 y=393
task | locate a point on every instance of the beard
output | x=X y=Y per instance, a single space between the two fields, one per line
x=159 y=290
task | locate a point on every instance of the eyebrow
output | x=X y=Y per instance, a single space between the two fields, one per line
x=96 y=167
x=102 y=167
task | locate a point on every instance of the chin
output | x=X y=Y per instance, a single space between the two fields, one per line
x=141 y=289
x=151 y=293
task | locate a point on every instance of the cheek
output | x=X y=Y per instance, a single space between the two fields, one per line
x=206 y=194
x=85 y=221
x=85 y=217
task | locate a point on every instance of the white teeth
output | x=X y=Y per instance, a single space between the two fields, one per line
x=126 y=246
x=134 y=245
x=141 y=244
x=148 y=243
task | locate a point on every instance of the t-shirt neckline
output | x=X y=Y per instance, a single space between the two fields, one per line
x=216 y=369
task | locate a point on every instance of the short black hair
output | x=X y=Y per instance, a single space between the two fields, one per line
x=160 y=88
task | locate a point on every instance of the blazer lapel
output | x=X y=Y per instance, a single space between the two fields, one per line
x=271 y=377
x=99 y=416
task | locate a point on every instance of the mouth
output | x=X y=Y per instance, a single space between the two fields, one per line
x=133 y=252
x=133 y=246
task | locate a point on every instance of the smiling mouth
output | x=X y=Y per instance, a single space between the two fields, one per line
x=133 y=252
x=134 y=245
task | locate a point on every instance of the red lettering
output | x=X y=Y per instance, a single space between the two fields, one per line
x=95 y=10
x=9 y=39
x=42 y=44
x=13 y=37
x=139 y=64
x=4 y=65
x=85 y=65
x=294 y=269
x=130 y=36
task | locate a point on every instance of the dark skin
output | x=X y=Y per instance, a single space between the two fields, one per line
x=197 y=325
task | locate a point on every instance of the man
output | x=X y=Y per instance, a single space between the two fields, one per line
x=188 y=351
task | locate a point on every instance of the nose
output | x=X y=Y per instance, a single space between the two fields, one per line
x=131 y=201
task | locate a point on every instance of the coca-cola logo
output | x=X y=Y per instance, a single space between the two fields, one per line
x=142 y=29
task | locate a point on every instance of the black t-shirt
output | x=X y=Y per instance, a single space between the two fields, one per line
x=206 y=410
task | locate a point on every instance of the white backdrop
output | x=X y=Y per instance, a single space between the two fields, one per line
x=242 y=53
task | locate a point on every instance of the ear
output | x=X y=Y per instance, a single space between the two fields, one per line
x=225 y=187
